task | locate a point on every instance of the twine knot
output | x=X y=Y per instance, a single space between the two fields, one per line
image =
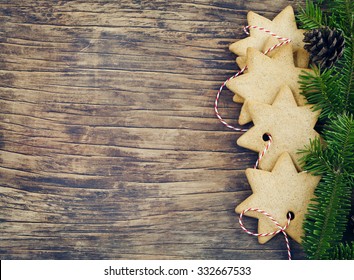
x=280 y=228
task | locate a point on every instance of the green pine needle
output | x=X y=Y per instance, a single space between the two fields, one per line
x=311 y=16
x=332 y=92
x=327 y=216
x=321 y=90
x=343 y=251
x=332 y=157
x=340 y=14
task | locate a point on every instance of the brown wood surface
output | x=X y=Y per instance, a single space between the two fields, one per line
x=109 y=144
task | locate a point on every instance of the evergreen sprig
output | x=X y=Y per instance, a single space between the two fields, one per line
x=342 y=17
x=332 y=92
x=328 y=214
x=321 y=89
x=311 y=16
x=343 y=251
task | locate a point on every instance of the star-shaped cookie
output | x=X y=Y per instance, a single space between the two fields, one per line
x=270 y=43
x=279 y=192
x=265 y=75
x=283 y=24
x=290 y=126
x=241 y=62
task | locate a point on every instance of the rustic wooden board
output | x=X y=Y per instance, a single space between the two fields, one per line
x=109 y=144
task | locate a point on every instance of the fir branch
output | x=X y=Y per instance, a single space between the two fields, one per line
x=311 y=16
x=332 y=92
x=340 y=14
x=326 y=220
x=315 y=158
x=339 y=137
x=346 y=68
x=343 y=251
x=321 y=90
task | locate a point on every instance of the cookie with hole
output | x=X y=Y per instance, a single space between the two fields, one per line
x=281 y=192
x=290 y=126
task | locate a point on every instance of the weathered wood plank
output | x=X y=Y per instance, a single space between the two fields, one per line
x=109 y=146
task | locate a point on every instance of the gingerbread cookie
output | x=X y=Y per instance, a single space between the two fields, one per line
x=279 y=192
x=290 y=126
x=241 y=62
x=301 y=57
x=265 y=76
x=283 y=24
x=238 y=99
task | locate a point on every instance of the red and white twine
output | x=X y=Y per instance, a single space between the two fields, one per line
x=281 y=229
x=282 y=42
x=217 y=101
x=261 y=154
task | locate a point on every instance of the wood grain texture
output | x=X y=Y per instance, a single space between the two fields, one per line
x=109 y=145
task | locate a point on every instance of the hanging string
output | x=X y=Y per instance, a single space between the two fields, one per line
x=282 y=42
x=217 y=101
x=261 y=154
x=280 y=228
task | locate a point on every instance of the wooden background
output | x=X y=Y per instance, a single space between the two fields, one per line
x=109 y=144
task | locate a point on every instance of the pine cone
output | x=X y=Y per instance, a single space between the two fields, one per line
x=325 y=46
